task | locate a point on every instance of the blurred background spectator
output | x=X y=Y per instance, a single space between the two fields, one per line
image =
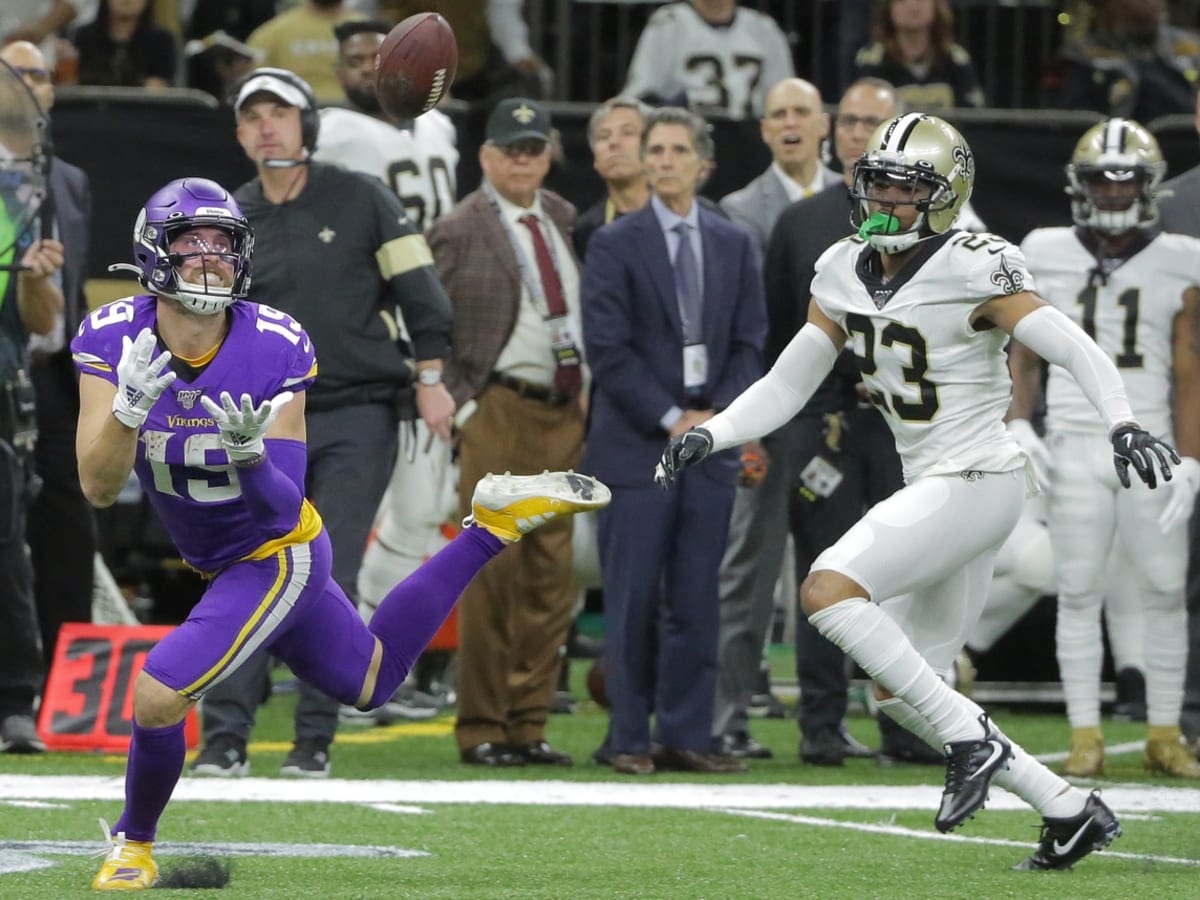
x=1131 y=62
x=36 y=21
x=124 y=47
x=217 y=62
x=236 y=18
x=710 y=55
x=301 y=40
x=913 y=47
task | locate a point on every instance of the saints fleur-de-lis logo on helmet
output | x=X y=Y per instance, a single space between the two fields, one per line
x=966 y=161
x=524 y=114
x=1008 y=279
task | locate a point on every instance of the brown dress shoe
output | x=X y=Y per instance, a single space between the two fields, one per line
x=670 y=759
x=539 y=753
x=491 y=754
x=633 y=763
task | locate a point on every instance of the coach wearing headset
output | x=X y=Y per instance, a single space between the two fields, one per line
x=333 y=249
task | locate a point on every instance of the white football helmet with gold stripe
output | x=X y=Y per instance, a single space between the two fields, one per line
x=1113 y=177
x=927 y=154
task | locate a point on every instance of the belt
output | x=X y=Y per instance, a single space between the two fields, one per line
x=695 y=401
x=539 y=392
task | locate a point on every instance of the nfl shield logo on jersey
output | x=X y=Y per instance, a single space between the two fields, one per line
x=187 y=399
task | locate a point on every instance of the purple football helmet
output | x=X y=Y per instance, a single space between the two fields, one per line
x=180 y=206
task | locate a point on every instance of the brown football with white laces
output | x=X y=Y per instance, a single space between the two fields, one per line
x=416 y=65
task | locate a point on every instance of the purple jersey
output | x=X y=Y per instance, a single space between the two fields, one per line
x=180 y=462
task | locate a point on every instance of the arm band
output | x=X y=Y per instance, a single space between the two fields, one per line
x=775 y=398
x=1058 y=340
x=272 y=486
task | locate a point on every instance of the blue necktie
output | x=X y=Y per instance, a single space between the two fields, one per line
x=687 y=286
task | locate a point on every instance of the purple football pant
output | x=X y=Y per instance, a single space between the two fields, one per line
x=288 y=604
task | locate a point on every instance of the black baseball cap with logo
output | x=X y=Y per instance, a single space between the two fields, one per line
x=517 y=119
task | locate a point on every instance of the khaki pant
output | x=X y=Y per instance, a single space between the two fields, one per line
x=513 y=617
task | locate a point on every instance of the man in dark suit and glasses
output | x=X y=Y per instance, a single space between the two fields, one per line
x=674 y=322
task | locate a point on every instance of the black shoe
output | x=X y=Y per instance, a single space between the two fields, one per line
x=905 y=749
x=970 y=768
x=580 y=646
x=855 y=749
x=563 y=703
x=1130 y=705
x=223 y=757
x=1066 y=841
x=491 y=754
x=823 y=748
x=19 y=734
x=308 y=759
x=603 y=755
x=539 y=753
x=740 y=745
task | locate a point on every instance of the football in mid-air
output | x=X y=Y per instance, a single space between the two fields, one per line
x=416 y=66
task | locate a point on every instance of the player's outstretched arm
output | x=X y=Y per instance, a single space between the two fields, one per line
x=1185 y=400
x=767 y=404
x=1056 y=339
x=104 y=447
x=110 y=418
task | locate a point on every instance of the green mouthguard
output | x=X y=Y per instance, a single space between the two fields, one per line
x=879 y=223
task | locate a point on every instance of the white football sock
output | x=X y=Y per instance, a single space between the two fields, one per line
x=873 y=639
x=1080 y=655
x=1166 y=657
x=1025 y=776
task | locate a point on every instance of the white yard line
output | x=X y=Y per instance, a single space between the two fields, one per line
x=1124 y=797
x=901 y=831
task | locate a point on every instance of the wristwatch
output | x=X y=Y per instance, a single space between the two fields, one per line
x=429 y=377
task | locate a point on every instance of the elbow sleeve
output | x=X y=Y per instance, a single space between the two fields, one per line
x=1058 y=340
x=775 y=398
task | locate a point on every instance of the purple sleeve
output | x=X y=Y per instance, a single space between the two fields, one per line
x=274 y=487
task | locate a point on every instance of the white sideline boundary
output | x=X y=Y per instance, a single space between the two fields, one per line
x=1123 y=797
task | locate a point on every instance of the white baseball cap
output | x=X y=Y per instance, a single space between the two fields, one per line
x=266 y=83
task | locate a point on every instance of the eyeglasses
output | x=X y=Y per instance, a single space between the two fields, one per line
x=850 y=121
x=524 y=148
x=37 y=76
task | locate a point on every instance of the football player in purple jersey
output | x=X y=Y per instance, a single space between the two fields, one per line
x=201 y=393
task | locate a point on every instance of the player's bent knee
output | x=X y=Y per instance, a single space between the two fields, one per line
x=157 y=706
x=366 y=696
x=824 y=588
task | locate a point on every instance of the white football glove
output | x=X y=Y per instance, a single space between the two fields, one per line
x=1034 y=447
x=242 y=426
x=140 y=379
x=1182 y=496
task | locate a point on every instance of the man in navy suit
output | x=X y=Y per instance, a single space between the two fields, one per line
x=674 y=323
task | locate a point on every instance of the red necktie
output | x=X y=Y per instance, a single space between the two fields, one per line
x=567 y=378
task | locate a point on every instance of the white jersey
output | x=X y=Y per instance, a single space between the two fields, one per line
x=942 y=385
x=1130 y=314
x=724 y=68
x=419 y=165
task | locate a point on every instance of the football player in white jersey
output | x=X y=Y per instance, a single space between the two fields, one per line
x=927 y=310
x=1136 y=291
x=418 y=160
x=709 y=55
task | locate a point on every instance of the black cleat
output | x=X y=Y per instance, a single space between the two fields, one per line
x=970 y=768
x=1066 y=841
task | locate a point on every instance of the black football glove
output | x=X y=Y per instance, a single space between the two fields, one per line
x=1139 y=448
x=682 y=451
